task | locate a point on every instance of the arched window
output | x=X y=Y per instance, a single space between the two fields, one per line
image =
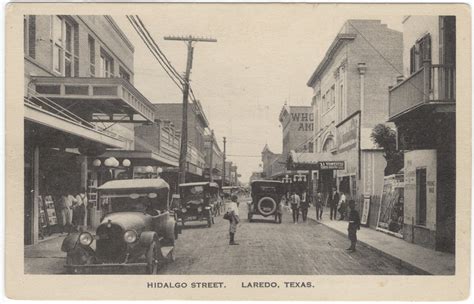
x=328 y=144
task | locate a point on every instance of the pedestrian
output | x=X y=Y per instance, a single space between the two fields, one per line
x=304 y=206
x=354 y=225
x=342 y=206
x=318 y=201
x=295 y=202
x=80 y=211
x=333 y=200
x=233 y=217
x=66 y=203
x=279 y=211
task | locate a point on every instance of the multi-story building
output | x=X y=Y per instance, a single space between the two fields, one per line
x=197 y=125
x=423 y=106
x=79 y=101
x=214 y=159
x=349 y=99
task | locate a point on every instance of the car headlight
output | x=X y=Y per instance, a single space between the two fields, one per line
x=199 y=209
x=85 y=238
x=130 y=236
x=183 y=210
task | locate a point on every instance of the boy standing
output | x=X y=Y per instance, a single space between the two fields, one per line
x=354 y=225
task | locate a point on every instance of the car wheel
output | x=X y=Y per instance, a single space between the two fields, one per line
x=152 y=259
x=209 y=222
x=264 y=203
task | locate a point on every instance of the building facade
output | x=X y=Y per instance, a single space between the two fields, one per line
x=197 y=125
x=214 y=159
x=79 y=101
x=349 y=99
x=423 y=107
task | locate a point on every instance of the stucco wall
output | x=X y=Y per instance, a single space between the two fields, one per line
x=414 y=28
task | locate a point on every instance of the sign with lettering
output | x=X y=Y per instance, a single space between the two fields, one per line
x=303 y=121
x=331 y=165
x=348 y=134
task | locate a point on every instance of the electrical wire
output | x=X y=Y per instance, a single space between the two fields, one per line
x=154 y=52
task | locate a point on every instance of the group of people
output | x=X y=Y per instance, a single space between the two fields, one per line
x=73 y=210
x=298 y=205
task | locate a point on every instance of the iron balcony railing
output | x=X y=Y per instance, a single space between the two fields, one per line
x=433 y=83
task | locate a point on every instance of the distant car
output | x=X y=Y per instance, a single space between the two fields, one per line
x=198 y=202
x=266 y=196
x=137 y=233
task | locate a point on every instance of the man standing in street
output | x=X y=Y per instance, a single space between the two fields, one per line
x=304 y=206
x=295 y=202
x=333 y=202
x=354 y=225
x=318 y=203
x=232 y=216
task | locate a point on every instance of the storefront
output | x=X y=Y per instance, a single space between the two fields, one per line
x=56 y=155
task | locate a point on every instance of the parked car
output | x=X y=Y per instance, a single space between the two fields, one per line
x=137 y=233
x=266 y=196
x=198 y=202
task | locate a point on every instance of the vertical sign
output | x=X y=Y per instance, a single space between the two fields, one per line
x=365 y=210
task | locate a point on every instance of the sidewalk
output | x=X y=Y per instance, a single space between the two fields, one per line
x=417 y=258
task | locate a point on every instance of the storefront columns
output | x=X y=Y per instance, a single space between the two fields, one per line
x=34 y=228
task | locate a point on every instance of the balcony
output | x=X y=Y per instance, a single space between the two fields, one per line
x=433 y=86
x=97 y=99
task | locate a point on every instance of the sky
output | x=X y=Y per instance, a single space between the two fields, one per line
x=263 y=57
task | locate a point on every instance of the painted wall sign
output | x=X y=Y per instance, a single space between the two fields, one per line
x=348 y=134
x=365 y=210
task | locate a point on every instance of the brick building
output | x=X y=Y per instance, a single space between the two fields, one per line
x=197 y=125
x=349 y=99
x=214 y=159
x=79 y=100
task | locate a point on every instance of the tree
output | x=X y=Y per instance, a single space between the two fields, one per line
x=386 y=138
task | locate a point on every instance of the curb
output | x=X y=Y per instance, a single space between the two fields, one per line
x=402 y=263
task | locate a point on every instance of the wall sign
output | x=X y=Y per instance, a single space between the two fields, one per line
x=365 y=210
x=331 y=165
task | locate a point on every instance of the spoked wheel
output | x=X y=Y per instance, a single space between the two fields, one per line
x=152 y=259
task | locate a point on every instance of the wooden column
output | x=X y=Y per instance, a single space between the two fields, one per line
x=35 y=202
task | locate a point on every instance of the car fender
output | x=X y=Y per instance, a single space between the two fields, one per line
x=70 y=242
x=147 y=237
x=169 y=229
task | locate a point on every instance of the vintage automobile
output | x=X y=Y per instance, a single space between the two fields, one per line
x=266 y=196
x=198 y=202
x=137 y=233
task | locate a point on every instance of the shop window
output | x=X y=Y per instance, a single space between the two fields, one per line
x=421 y=196
x=106 y=65
x=65 y=48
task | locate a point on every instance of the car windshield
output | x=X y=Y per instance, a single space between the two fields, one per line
x=266 y=188
x=138 y=202
x=194 y=193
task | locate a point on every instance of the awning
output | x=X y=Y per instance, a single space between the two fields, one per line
x=141 y=158
x=56 y=129
x=95 y=99
x=313 y=161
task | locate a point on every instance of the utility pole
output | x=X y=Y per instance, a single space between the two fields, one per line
x=223 y=169
x=189 y=40
x=211 y=179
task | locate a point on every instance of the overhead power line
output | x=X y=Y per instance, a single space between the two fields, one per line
x=164 y=63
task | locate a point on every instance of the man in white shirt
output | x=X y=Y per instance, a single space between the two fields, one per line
x=295 y=202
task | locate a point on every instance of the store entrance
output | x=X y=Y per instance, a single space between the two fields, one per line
x=326 y=182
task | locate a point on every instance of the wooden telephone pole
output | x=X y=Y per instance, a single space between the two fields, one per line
x=189 y=40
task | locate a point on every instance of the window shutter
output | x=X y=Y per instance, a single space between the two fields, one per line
x=32 y=36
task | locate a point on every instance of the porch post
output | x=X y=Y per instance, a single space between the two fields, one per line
x=35 y=201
